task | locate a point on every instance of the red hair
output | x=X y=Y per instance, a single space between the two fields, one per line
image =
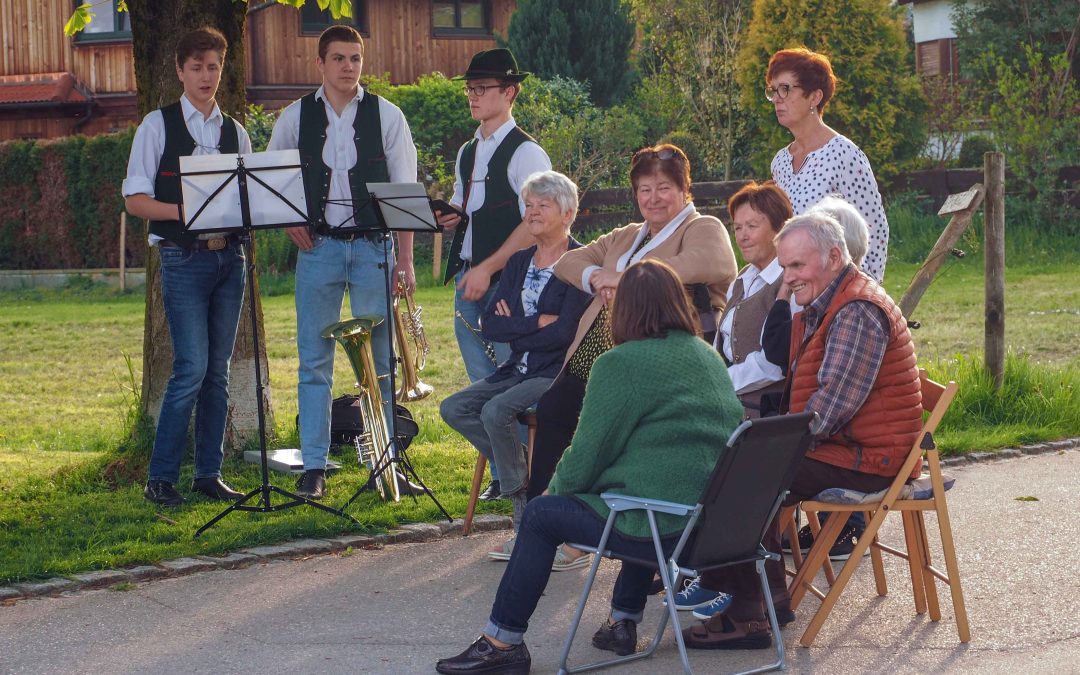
x=811 y=69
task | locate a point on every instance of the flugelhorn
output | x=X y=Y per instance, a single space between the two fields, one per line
x=373 y=444
x=408 y=328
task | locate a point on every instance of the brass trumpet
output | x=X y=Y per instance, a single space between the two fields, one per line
x=413 y=357
x=373 y=445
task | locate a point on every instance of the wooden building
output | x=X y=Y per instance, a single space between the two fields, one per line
x=52 y=85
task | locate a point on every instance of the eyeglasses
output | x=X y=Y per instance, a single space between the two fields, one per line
x=479 y=90
x=780 y=92
x=665 y=154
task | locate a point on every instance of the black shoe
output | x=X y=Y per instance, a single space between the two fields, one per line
x=215 y=488
x=492 y=492
x=406 y=486
x=806 y=540
x=312 y=485
x=484 y=657
x=619 y=637
x=784 y=616
x=845 y=543
x=162 y=492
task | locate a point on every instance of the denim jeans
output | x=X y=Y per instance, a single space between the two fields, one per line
x=485 y=413
x=477 y=364
x=203 y=292
x=549 y=521
x=323 y=273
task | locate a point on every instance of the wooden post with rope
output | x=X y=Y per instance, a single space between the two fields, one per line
x=961 y=207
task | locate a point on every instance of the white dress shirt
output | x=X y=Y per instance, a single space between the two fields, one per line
x=339 y=150
x=528 y=159
x=149 y=144
x=755 y=371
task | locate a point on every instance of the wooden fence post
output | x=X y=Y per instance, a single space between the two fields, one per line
x=436 y=257
x=123 y=248
x=994 y=180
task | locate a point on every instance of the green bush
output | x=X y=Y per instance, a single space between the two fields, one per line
x=973 y=149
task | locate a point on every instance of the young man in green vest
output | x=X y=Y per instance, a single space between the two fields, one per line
x=347 y=138
x=489 y=172
x=202 y=277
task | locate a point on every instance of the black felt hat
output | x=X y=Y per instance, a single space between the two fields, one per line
x=497 y=63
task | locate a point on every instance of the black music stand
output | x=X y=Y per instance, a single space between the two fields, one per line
x=398 y=207
x=234 y=186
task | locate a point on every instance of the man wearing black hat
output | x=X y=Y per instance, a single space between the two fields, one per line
x=489 y=172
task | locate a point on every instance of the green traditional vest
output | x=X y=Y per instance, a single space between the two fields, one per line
x=179 y=143
x=370 y=164
x=497 y=217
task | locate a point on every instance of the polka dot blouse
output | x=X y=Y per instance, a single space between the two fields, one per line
x=838 y=167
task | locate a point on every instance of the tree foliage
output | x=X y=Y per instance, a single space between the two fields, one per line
x=585 y=40
x=878 y=102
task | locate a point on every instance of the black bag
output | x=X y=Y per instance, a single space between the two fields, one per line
x=347 y=421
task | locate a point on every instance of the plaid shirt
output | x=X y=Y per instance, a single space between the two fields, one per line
x=854 y=350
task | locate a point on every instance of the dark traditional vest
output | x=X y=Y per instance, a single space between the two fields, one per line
x=179 y=143
x=497 y=217
x=370 y=164
x=746 y=328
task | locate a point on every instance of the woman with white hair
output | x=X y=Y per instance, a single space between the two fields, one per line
x=537 y=315
x=856 y=232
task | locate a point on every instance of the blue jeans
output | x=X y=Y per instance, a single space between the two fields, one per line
x=203 y=292
x=485 y=413
x=548 y=522
x=477 y=364
x=323 y=273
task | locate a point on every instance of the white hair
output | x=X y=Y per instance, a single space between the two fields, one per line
x=824 y=232
x=554 y=186
x=856 y=232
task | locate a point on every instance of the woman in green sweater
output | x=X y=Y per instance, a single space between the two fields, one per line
x=658 y=409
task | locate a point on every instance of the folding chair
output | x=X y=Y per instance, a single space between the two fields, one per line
x=740 y=499
x=898 y=497
x=526 y=417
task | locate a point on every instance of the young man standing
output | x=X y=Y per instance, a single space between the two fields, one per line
x=489 y=172
x=347 y=138
x=202 y=277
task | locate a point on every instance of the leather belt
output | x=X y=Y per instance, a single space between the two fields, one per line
x=215 y=244
x=374 y=236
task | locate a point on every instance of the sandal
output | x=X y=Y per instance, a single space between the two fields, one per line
x=720 y=632
x=503 y=551
x=564 y=561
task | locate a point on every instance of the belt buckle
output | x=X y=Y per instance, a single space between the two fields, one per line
x=216 y=244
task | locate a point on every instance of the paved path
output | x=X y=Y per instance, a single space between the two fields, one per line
x=396 y=610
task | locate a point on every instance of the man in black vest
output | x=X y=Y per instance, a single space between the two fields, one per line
x=202 y=277
x=347 y=138
x=489 y=173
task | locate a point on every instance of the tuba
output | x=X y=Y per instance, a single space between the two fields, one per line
x=373 y=444
x=412 y=357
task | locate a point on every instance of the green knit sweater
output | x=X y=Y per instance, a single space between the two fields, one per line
x=656 y=416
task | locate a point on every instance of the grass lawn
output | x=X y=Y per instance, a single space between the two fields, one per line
x=65 y=398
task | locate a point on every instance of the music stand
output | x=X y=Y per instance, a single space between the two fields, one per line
x=268 y=190
x=398 y=207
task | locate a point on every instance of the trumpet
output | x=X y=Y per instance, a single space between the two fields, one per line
x=373 y=444
x=488 y=348
x=408 y=328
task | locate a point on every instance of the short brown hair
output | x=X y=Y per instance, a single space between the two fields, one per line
x=339 y=33
x=765 y=198
x=649 y=302
x=811 y=69
x=663 y=159
x=205 y=39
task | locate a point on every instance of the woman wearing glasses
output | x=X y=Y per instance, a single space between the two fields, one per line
x=694 y=245
x=820 y=161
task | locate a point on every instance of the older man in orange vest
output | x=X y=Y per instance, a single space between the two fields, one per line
x=853 y=363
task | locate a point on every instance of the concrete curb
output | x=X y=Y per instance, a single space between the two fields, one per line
x=410 y=533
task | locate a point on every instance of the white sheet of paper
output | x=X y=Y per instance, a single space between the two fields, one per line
x=222 y=212
x=405 y=206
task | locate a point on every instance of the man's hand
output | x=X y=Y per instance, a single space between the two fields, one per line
x=475 y=283
x=449 y=221
x=784 y=292
x=301 y=236
x=405 y=266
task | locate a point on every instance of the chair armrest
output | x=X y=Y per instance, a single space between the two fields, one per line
x=619 y=502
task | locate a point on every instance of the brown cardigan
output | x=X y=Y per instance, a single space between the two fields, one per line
x=699 y=251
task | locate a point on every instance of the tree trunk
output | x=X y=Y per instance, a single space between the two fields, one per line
x=156 y=25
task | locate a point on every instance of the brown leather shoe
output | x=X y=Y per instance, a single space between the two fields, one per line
x=721 y=632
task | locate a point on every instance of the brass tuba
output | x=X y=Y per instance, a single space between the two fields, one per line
x=373 y=445
x=412 y=357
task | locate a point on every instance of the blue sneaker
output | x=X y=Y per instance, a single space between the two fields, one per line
x=719 y=604
x=694 y=595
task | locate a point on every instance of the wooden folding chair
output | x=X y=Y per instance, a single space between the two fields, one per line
x=526 y=417
x=739 y=501
x=936 y=400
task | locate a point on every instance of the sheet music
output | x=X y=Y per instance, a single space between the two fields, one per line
x=404 y=206
x=210 y=212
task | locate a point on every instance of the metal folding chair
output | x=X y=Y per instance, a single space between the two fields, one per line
x=725 y=527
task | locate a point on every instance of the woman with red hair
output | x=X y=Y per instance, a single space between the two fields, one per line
x=820 y=161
